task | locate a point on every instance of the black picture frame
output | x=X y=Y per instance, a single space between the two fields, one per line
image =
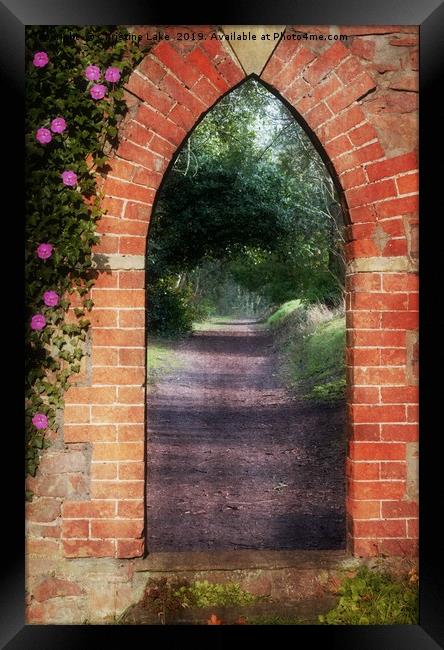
x=429 y=15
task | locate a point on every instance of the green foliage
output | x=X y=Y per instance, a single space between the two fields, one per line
x=208 y=594
x=375 y=598
x=276 y=318
x=160 y=358
x=249 y=204
x=312 y=344
x=64 y=216
x=171 y=309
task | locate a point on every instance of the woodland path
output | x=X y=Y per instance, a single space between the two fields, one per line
x=236 y=461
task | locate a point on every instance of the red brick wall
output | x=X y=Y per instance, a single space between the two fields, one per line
x=359 y=98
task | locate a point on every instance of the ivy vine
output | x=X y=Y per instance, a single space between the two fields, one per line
x=74 y=102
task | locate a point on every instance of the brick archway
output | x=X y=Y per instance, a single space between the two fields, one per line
x=339 y=92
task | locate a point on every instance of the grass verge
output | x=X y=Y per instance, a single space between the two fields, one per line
x=161 y=358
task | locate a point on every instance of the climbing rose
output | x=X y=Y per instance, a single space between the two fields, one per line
x=38 y=322
x=92 y=73
x=51 y=298
x=112 y=74
x=40 y=59
x=44 y=251
x=58 y=125
x=43 y=136
x=40 y=421
x=69 y=178
x=98 y=91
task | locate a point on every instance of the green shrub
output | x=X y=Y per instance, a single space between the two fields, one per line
x=375 y=598
x=171 y=309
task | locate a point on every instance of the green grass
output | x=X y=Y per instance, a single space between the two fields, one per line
x=161 y=358
x=375 y=598
x=276 y=318
x=311 y=342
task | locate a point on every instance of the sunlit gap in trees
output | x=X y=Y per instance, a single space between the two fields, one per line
x=247 y=219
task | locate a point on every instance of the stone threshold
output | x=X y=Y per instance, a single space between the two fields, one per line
x=244 y=559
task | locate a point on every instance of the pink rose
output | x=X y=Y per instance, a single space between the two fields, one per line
x=69 y=178
x=40 y=421
x=44 y=251
x=38 y=322
x=43 y=136
x=92 y=73
x=40 y=59
x=51 y=298
x=112 y=74
x=58 y=125
x=98 y=91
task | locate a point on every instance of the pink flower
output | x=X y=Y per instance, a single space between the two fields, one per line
x=40 y=59
x=38 y=322
x=112 y=74
x=58 y=125
x=40 y=421
x=43 y=136
x=69 y=178
x=92 y=73
x=44 y=251
x=98 y=91
x=51 y=298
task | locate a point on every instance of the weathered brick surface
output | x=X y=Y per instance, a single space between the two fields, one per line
x=359 y=98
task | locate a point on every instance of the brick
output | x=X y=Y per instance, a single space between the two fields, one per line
x=119 y=338
x=396 y=207
x=363 y=214
x=375 y=338
x=400 y=320
x=42 y=547
x=413 y=528
x=117 y=451
x=121 y=414
x=139 y=211
x=326 y=62
x=342 y=123
x=132 y=471
x=365 y=319
x=104 y=357
x=365 y=154
x=132 y=357
x=88 y=509
x=101 y=471
x=151 y=69
x=117 y=529
x=183 y=96
x=43 y=510
x=408 y=184
x=379 y=301
x=364 y=48
x=205 y=91
x=399 y=547
x=364 y=394
x=362 y=134
x=371 y=193
x=318 y=115
x=398 y=509
x=400 y=432
x=349 y=69
x=363 y=471
x=90 y=395
x=295 y=65
x=183 y=117
x=103 y=318
x=363 y=509
x=74 y=414
x=389 y=528
x=117 y=489
x=162 y=147
x=131 y=432
x=75 y=528
x=378 y=376
x=124 y=376
x=296 y=90
x=354 y=178
x=59 y=462
x=138 y=134
x=375 y=450
x=393 y=357
x=230 y=71
x=132 y=318
x=55 y=588
x=113 y=206
x=149 y=93
x=364 y=432
x=376 y=489
x=394 y=470
x=131 y=395
x=272 y=69
x=392 y=166
x=131 y=190
x=114 y=298
x=365 y=281
x=160 y=124
x=88 y=548
x=130 y=548
x=108 y=244
x=130 y=509
x=361 y=357
x=360 y=87
x=184 y=70
x=399 y=394
x=339 y=146
x=202 y=62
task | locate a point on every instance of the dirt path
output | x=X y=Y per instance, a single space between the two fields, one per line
x=235 y=461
